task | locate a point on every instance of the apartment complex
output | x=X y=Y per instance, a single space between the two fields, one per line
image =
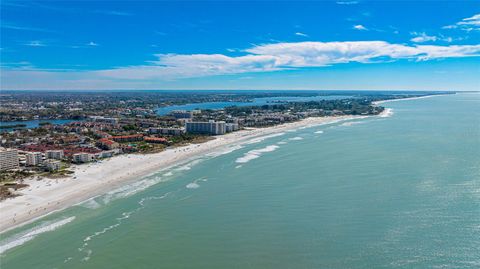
x=52 y=165
x=34 y=158
x=181 y=114
x=210 y=127
x=54 y=154
x=82 y=157
x=8 y=159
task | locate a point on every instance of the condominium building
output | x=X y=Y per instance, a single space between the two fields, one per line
x=82 y=157
x=128 y=138
x=54 y=154
x=210 y=127
x=181 y=114
x=231 y=127
x=34 y=158
x=52 y=165
x=8 y=159
x=103 y=119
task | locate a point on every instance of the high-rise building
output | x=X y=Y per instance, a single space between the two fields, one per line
x=52 y=165
x=54 y=154
x=8 y=159
x=82 y=157
x=34 y=158
x=210 y=127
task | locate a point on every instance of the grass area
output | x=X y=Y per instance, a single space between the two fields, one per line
x=12 y=176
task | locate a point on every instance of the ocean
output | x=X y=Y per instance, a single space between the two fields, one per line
x=401 y=191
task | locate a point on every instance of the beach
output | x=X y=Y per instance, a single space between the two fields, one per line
x=46 y=196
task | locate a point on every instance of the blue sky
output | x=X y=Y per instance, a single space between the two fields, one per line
x=378 y=45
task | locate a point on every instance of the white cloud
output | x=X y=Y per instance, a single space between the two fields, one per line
x=423 y=37
x=92 y=44
x=35 y=43
x=360 y=27
x=261 y=58
x=301 y=34
x=467 y=24
x=347 y=2
x=113 y=12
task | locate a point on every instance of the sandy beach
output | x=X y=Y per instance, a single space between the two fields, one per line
x=45 y=196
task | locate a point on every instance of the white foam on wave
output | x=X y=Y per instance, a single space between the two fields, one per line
x=22 y=238
x=119 y=221
x=131 y=189
x=254 y=154
x=296 y=138
x=136 y=187
x=350 y=123
x=90 y=203
x=192 y=185
x=225 y=151
x=188 y=166
x=319 y=132
x=260 y=139
x=388 y=112
x=282 y=142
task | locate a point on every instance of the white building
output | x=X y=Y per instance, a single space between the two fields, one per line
x=52 y=165
x=166 y=131
x=210 y=127
x=8 y=159
x=103 y=119
x=181 y=114
x=82 y=157
x=54 y=154
x=231 y=127
x=34 y=158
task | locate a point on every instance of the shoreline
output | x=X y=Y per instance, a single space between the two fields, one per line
x=47 y=196
x=406 y=99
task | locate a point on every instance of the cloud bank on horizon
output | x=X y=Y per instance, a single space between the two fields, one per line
x=274 y=58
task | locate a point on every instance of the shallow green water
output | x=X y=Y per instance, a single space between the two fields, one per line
x=395 y=192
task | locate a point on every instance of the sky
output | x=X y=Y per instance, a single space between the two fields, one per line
x=304 y=45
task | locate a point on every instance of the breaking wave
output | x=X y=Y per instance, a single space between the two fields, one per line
x=22 y=238
x=260 y=139
x=256 y=153
x=125 y=215
x=388 y=112
x=296 y=138
x=225 y=151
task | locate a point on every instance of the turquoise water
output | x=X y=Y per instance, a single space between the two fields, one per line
x=395 y=192
x=31 y=123
x=255 y=102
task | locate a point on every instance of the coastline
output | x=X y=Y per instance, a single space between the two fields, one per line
x=405 y=99
x=46 y=196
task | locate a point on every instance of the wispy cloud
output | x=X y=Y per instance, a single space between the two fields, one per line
x=12 y=26
x=261 y=58
x=92 y=44
x=35 y=43
x=467 y=24
x=113 y=12
x=301 y=34
x=360 y=27
x=347 y=2
x=422 y=37
x=160 y=33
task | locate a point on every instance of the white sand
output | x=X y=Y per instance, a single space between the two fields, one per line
x=89 y=180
